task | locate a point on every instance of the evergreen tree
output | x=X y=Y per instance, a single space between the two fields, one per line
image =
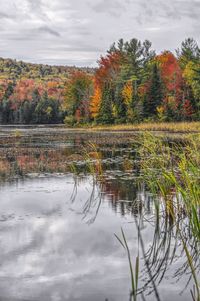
x=6 y=112
x=154 y=96
x=120 y=106
x=189 y=52
x=9 y=90
x=105 y=114
x=41 y=109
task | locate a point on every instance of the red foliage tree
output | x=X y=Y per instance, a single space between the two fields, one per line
x=171 y=75
x=109 y=67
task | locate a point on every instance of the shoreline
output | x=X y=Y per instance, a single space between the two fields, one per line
x=168 y=127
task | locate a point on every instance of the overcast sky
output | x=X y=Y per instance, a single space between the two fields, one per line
x=76 y=32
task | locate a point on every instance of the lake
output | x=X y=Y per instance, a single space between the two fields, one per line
x=59 y=222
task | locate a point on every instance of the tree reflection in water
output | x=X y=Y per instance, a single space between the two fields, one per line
x=166 y=248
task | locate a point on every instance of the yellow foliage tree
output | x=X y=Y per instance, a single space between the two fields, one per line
x=95 y=102
x=191 y=76
x=127 y=93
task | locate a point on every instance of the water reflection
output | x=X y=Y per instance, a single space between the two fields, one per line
x=163 y=257
x=41 y=151
x=49 y=253
x=57 y=228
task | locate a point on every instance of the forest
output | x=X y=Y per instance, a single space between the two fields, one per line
x=131 y=84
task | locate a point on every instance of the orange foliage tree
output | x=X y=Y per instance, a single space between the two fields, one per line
x=95 y=100
x=105 y=76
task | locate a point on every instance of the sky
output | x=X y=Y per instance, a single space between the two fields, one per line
x=77 y=32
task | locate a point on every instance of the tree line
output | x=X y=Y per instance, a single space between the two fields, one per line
x=29 y=102
x=131 y=84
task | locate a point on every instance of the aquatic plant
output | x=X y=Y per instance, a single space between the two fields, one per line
x=172 y=172
x=134 y=271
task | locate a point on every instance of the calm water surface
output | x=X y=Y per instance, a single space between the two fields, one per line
x=57 y=229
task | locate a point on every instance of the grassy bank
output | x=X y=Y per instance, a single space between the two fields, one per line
x=172 y=127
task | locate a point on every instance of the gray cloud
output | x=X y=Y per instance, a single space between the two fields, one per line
x=77 y=32
x=112 y=7
x=46 y=29
x=5 y=16
x=81 y=47
x=174 y=10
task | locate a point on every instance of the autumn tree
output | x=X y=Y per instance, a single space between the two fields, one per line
x=130 y=84
x=134 y=70
x=191 y=75
x=124 y=68
x=77 y=96
x=105 y=85
x=172 y=79
x=95 y=101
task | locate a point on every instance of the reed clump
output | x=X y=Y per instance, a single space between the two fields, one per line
x=171 y=172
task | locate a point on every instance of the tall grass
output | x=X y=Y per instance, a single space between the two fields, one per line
x=172 y=171
x=173 y=127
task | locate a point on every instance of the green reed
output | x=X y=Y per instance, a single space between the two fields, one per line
x=172 y=171
x=134 y=271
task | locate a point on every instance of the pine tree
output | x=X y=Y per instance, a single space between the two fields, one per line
x=121 y=108
x=154 y=96
x=189 y=52
x=105 y=113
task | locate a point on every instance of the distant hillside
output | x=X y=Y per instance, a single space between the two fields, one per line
x=34 y=93
x=13 y=70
